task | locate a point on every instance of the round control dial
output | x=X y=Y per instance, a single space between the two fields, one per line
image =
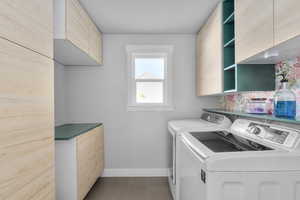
x=255 y=130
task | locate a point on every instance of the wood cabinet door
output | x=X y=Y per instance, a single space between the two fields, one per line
x=90 y=159
x=99 y=139
x=209 y=55
x=27 y=124
x=94 y=42
x=86 y=163
x=100 y=48
x=254 y=27
x=28 y=23
x=77 y=25
x=287 y=20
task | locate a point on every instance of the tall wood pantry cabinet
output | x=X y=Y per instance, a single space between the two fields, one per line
x=26 y=100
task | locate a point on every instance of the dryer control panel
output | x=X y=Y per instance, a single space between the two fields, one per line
x=278 y=135
x=213 y=118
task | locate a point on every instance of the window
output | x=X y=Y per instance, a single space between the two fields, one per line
x=149 y=77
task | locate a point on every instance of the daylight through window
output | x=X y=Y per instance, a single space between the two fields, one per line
x=149 y=77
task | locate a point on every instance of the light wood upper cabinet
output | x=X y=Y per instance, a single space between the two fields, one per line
x=253 y=27
x=26 y=118
x=287 y=20
x=28 y=23
x=77 y=25
x=95 y=43
x=209 y=55
x=77 y=39
x=267 y=32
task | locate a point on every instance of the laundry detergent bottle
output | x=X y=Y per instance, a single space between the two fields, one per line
x=285 y=101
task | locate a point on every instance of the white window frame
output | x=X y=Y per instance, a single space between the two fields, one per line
x=150 y=51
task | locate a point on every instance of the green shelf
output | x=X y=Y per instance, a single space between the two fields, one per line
x=230 y=91
x=228 y=9
x=228 y=33
x=231 y=67
x=255 y=78
x=230 y=19
x=230 y=80
x=263 y=117
x=240 y=77
x=228 y=56
x=230 y=43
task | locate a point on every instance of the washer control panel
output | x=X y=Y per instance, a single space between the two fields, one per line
x=282 y=136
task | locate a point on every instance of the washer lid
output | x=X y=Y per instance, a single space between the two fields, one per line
x=219 y=156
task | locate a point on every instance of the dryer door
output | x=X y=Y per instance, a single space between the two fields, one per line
x=192 y=177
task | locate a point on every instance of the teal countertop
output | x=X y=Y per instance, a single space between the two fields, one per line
x=264 y=117
x=69 y=131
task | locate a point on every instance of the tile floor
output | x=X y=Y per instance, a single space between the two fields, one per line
x=130 y=189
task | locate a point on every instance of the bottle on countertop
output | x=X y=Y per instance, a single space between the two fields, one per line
x=285 y=101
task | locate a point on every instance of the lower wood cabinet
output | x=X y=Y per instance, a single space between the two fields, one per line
x=79 y=163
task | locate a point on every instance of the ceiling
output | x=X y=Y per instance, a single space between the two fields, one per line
x=149 y=16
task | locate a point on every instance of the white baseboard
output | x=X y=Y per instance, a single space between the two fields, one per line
x=156 y=172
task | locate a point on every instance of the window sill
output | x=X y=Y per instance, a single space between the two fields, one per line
x=152 y=108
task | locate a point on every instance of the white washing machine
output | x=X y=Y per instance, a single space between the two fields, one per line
x=208 y=122
x=253 y=161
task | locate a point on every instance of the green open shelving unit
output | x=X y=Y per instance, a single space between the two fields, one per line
x=241 y=77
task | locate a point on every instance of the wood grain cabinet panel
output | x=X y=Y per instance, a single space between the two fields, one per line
x=99 y=139
x=95 y=43
x=77 y=25
x=26 y=118
x=209 y=55
x=90 y=160
x=254 y=27
x=77 y=40
x=86 y=163
x=28 y=23
x=287 y=20
x=79 y=163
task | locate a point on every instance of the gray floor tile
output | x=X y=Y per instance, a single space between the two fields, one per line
x=130 y=189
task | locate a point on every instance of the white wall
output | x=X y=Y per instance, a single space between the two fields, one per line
x=133 y=140
x=59 y=95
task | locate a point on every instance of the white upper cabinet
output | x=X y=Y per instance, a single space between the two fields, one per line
x=77 y=39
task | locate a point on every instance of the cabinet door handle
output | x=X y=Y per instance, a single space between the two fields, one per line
x=203 y=176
